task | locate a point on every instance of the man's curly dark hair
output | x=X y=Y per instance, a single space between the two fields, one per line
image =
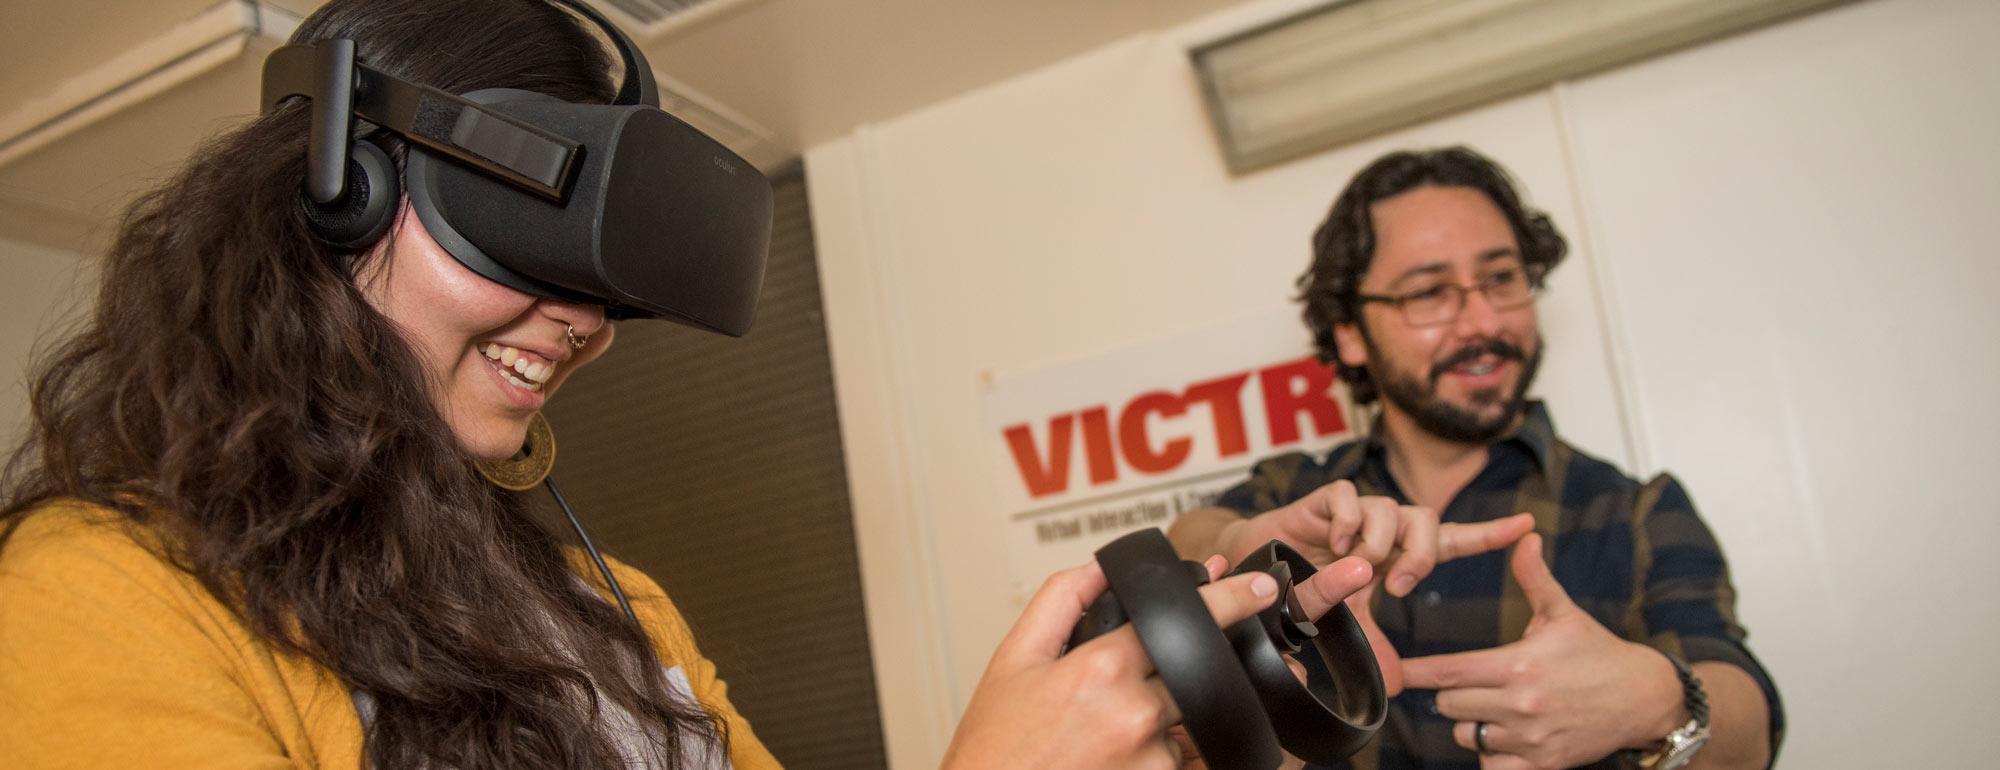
x=1344 y=245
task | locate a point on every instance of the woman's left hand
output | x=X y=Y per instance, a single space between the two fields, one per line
x=1099 y=706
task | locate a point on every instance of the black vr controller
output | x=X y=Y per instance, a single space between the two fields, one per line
x=1239 y=700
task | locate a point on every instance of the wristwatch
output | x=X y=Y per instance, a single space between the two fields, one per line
x=1680 y=745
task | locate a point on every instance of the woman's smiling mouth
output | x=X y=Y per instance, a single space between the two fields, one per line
x=520 y=368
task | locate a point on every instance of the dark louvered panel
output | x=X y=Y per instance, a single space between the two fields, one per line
x=715 y=465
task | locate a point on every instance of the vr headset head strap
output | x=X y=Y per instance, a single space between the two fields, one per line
x=342 y=88
x=638 y=87
x=519 y=153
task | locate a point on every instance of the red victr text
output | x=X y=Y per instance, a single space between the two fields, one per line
x=1300 y=386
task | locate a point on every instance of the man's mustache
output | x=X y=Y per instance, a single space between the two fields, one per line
x=1506 y=351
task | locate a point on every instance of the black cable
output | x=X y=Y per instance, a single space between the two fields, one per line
x=602 y=568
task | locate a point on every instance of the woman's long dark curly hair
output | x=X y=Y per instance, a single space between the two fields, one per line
x=1344 y=244
x=235 y=393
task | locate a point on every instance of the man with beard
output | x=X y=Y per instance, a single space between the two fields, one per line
x=1608 y=637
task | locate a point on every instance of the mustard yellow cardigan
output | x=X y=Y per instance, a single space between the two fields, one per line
x=112 y=658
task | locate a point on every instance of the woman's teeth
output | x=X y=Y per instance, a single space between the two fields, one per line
x=521 y=368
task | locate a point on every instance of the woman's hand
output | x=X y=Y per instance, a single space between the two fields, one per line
x=1100 y=706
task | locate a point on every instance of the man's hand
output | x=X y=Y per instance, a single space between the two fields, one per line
x=1336 y=521
x=1387 y=659
x=1568 y=693
x=1403 y=542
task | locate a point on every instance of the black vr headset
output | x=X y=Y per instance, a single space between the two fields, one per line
x=620 y=205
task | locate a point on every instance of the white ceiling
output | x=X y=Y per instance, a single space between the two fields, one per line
x=46 y=40
x=801 y=71
x=811 y=70
x=89 y=175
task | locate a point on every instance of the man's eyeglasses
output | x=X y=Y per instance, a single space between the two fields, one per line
x=1504 y=289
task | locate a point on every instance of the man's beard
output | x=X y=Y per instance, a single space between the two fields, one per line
x=1447 y=420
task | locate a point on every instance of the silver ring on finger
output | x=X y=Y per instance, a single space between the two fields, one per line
x=1479 y=739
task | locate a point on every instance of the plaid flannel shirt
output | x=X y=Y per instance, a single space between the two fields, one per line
x=1635 y=556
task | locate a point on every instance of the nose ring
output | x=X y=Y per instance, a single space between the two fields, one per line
x=576 y=341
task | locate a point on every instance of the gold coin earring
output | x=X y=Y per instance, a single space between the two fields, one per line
x=526 y=469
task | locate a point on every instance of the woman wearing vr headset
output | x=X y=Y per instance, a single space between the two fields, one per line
x=258 y=522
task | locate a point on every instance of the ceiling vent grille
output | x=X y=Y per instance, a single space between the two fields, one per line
x=647 y=15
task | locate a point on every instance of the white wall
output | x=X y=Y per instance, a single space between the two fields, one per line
x=40 y=290
x=1773 y=294
x=1802 y=229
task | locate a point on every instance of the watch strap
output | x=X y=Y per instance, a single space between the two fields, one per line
x=1675 y=749
x=1697 y=698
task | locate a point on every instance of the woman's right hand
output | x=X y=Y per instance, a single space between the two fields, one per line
x=1100 y=706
